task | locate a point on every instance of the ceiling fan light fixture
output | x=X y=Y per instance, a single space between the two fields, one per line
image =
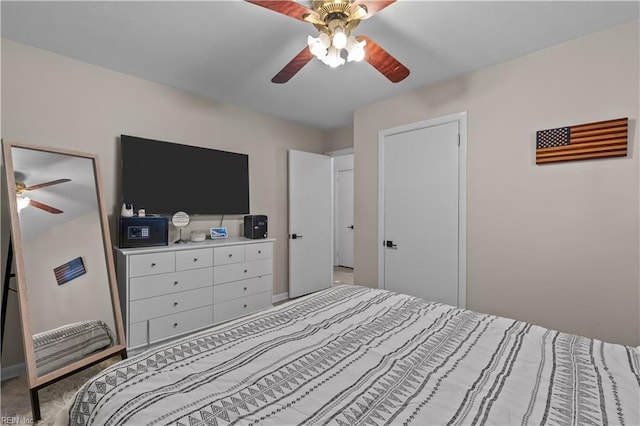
x=333 y=58
x=355 y=49
x=335 y=20
x=339 y=37
x=324 y=39
x=316 y=47
x=22 y=201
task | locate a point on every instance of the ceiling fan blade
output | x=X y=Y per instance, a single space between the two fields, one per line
x=45 y=184
x=289 y=8
x=372 y=7
x=381 y=60
x=293 y=66
x=45 y=207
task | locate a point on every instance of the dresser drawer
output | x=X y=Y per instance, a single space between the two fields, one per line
x=154 y=307
x=173 y=282
x=227 y=255
x=241 y=271
x=242 y=306
x=236 y=289
x=151 y=263
x=258 y=251
x=192 y=259
x=182 y=322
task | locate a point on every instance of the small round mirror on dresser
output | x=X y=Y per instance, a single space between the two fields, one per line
x=180 y=220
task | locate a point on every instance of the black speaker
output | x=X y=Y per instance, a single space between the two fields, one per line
x=143 y=231
x=255 y=227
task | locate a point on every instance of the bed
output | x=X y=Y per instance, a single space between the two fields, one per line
x=354 y=355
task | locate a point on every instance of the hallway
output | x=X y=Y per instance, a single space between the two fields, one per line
x=342 y=275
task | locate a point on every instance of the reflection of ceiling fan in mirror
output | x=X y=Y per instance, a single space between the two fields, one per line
x=24 y=201
x=334 y=20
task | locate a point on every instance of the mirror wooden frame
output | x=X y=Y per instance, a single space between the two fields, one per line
x=119 y=348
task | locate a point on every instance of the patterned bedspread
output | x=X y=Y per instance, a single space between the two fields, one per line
x=353 y=355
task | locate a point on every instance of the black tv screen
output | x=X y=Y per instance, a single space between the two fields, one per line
x=164 y=177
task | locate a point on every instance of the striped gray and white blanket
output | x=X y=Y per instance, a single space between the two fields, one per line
x=70 y=343
x=353 y=355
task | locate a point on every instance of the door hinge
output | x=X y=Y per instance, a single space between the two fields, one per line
x=458 y=139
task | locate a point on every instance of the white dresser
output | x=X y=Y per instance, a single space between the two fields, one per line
x=172 y=290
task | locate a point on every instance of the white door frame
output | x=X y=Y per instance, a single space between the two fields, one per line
x=339 y=166
x=461 y=118
x=343 y=237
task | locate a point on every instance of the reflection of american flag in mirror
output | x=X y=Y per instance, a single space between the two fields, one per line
x=70 y=270
x=594 y=140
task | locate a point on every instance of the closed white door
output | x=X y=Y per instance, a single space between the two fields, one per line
x=419 y=212
x=344 y=189
x=310 y=222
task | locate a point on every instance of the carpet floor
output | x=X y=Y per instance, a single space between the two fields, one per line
x=15 y=406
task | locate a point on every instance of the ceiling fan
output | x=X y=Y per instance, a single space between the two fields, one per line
x=24 y=201
x=335 y=19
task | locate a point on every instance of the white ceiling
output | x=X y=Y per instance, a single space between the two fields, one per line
x=229 y=50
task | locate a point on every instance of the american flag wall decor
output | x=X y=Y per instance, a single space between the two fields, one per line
x=602 y=139
x=70 y=270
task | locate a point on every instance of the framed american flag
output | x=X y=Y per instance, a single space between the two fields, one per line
x=602 y=139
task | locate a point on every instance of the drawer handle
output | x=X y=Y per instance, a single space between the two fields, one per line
x=175 y=283
x=153 y=264
x=245 y=271
x=230 y=255
x=195 y=259
x=245 y=306
x=245 y=289
x=175 y=324
x=259 y=251
x=175 y=304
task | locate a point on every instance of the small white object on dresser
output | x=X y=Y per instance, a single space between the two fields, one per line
x=176 y=289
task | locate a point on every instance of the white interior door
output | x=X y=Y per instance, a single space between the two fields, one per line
x=419 y=212
x=345 y=218
x=310 y=222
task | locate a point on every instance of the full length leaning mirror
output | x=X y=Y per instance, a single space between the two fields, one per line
x=67 y=291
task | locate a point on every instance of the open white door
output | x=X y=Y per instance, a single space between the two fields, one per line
x=310 y=222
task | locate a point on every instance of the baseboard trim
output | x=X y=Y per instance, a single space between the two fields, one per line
x=279 y=297
x=13 y=371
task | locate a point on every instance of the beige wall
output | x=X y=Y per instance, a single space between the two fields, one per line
x=339 y=138
x=55 y=101
x=556 y=245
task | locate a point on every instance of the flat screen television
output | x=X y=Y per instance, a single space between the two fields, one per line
x=165 y=177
